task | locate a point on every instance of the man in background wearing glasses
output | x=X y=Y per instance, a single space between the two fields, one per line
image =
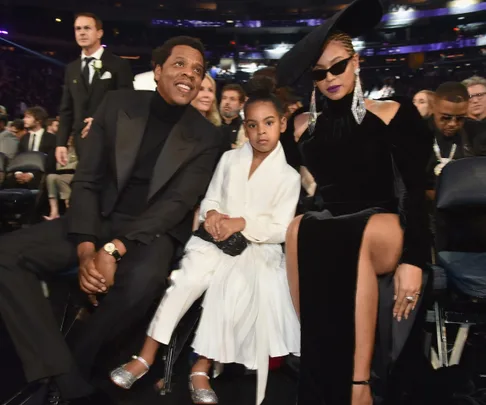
x=476 y=87
x=447 y=121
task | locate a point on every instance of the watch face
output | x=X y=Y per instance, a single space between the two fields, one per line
x=109 y=248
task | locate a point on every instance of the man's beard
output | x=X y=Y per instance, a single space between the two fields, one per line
x=229 y=114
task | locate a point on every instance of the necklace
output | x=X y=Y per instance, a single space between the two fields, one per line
x=442 y=161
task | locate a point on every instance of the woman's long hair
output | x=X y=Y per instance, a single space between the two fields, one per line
x=213 y=115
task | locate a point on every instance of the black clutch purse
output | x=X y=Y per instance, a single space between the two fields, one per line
x=233 y=246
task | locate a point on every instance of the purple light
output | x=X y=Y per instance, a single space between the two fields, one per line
x=103 y=45
x=4 y=32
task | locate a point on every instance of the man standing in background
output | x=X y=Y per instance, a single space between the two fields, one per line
x=86 y=82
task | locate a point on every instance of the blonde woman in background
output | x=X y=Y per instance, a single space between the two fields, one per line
x=424 y=101
x=206 y=102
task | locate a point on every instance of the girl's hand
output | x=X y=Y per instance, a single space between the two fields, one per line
x=230 y=226
x=213 y=223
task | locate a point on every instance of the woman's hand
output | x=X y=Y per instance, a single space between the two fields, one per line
x=408 y=284
x=212 y=224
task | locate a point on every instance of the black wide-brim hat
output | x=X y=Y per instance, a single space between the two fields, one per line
x=357 y=18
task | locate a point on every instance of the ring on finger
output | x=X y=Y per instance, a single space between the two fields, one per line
x=410 y=298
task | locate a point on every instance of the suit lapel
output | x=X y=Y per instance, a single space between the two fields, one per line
x=97 y=75
x=178 y=147
x=130 y=128
x=77 y=79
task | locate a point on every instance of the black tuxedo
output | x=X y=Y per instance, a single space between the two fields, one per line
x=180 y=178
x=80 y=102
x=47 y=145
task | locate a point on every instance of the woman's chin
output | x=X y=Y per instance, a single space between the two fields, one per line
x=338 y=95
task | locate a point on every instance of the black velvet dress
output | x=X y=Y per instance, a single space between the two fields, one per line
x=360 y=170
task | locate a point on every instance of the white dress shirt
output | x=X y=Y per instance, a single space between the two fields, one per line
x=35 y=140
x=96 y=55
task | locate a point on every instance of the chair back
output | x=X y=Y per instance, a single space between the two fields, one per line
x=28 y=162
x=461 y=206
x=3 y=167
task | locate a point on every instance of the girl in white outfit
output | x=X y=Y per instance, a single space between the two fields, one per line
x=248 y=314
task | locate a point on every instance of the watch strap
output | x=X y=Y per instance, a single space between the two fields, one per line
x=116 y=254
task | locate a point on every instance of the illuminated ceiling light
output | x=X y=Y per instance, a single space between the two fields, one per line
x=462 y=3
x=58 y=20
x=358 y=45
x=461 y=18
x=401 y=16
x=229 y=21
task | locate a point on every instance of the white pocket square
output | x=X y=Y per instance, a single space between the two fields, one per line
x=106 y=75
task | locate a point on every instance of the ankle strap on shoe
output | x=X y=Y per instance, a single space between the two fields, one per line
x=364 y=382
x=199 y=373
x=142 y=360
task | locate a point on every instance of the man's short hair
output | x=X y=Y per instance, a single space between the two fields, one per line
x=18 y=124
x=162 y=53
x=98 y=22
x=4 y=119
x=474 y=81
x=50 y=121
x=39 y=114
x=454 y=92
x=237 y=88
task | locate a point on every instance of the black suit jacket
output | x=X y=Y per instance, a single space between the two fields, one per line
x=181 y=174
x=79 y=102
x=47 y=146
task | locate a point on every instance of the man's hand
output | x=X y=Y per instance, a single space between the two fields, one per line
x=90 y=280
x=106 y=263
x=23 y=178
x=230 y=226
x=84 y=132
x=106 y=266
x=62 y=155
x=213 y=222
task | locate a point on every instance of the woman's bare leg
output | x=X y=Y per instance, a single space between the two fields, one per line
x=380 y=251
x=291 y=247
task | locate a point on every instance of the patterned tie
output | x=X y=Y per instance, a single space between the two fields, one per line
x=87 y=61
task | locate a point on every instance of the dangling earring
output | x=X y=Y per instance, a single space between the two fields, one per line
x=358 y=107
x=312 y=112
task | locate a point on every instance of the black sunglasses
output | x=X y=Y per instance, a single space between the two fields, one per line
x=336 y=70
x=447 y=118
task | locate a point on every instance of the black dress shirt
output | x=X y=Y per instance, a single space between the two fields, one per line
x=162 y=119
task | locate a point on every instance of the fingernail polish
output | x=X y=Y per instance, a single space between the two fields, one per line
x=399 y=318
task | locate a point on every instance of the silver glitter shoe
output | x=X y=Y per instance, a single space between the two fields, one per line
x=124 y=378
x=201 y=396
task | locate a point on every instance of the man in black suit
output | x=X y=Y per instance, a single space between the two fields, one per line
x=151 y=157
x=86 y=82
x=37 y=139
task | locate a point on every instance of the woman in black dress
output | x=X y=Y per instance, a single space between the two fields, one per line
x=368 y=159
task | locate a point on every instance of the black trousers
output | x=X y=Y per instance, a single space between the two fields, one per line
x=139 y=278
